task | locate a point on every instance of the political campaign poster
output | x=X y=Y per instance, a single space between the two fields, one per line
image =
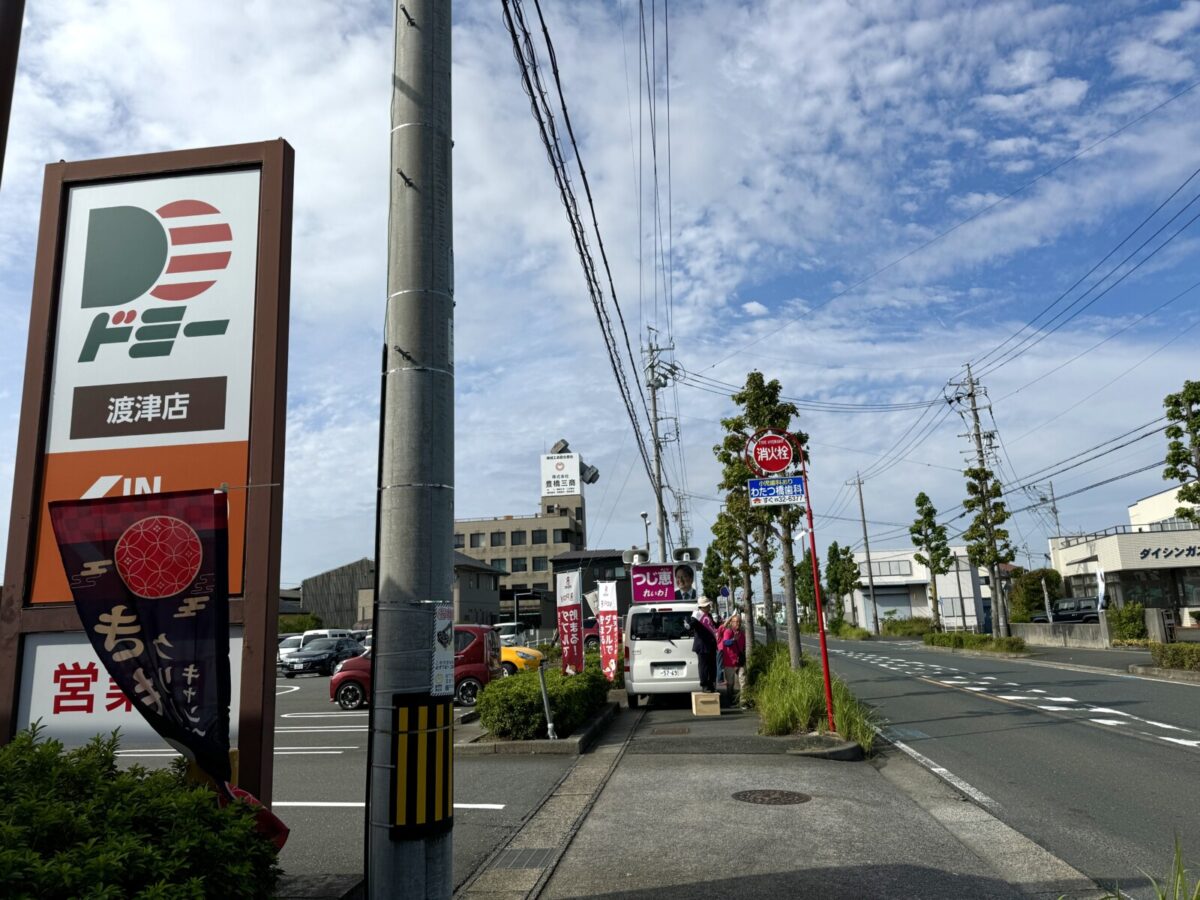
x=607 y=625
x=150 y=580
x=570 y=622
x=653 y=583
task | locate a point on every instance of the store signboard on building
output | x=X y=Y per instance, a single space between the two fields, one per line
x=560 y=475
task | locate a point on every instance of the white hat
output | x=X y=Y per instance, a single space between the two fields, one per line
x=704 y=602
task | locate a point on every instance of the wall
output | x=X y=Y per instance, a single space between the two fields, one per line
x=334 y=595
x=1045 y=634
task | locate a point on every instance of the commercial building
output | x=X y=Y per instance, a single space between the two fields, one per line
x=521 y=546
x=595 y=566
x=902 y=591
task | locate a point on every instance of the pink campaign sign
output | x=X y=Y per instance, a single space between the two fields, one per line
x=653 y=583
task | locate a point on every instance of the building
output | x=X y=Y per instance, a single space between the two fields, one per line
x=902 y=591
x=1154 y=560
x=345 y=597
x=521 y=546
x=595 y=566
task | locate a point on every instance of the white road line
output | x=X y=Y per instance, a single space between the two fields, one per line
x=945 y=774
x=287 y=689
x=1062 y=699
x=359 y=804
x=1062 y=708
x=1184 y=741
x=1036 y=691
x=324 y=715
x=1013 y=697
x=320 y=729
x=976 y=689
x=308 y=752
x=1110 y=721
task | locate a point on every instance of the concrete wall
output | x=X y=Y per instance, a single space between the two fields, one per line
x=1045 y=634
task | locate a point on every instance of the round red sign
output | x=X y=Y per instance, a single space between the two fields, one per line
x=158 y=556
x=770 y=452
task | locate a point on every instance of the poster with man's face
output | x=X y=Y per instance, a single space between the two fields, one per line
x=685 y=582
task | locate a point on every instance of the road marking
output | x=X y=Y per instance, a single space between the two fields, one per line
x=318 y=729
x=945 y=774
x=1109 y=721
x=1013 y=697
x=323 y=715
x=359 y=804
x=287 y=689
x=1183 y=741
x=1062 y=708
x=1062 y=699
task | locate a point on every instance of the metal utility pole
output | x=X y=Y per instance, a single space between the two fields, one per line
x=862 y=511
x=656 y=380
x=415 y=522
x=11 y=14
x=1054 y=510
x=999 y=616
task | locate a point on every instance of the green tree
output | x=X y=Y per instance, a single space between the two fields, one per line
x=1026 y=598
x=987 y=542
x=841 y=578
x=731 y=534
x=1183 y=448
x=712 y=576
x=299 y=622
x=933 y=550
x=806 y=595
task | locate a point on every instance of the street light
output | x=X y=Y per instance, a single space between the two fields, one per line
x=646 y=521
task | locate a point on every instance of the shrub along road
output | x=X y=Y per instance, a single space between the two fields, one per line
x=1100 y=769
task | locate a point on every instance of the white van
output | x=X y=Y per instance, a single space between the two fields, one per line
x=317 y=633
x=658 y=650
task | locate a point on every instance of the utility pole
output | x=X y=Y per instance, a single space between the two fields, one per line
x=415 y=519
x=999 y=617
x=11 y=14
x=656 y=380
x=1054 y=510
x=862 y=511
x=962 y=601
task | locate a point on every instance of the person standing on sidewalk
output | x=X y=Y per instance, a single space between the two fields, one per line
x=704 y=643
x=731 y=650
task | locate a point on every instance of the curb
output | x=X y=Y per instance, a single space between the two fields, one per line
x=982 y=654
x=468 y=715
x=846 y=751
x=574 y=745
x=1185 y=675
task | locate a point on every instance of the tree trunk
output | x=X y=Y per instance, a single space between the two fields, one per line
x=764 y=570
x=933 y=603
x=747 y=601
x=789 y=594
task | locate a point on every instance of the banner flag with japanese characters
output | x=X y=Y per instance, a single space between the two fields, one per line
x=570 y=622
x=606 y=623
x=150 y=579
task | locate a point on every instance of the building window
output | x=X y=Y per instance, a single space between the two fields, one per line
x=498 y=538
x=519 y=564
x=477 y=539
x=495 y=582
x=579 y=513
x=539 y=535
x=497 y=564
x=549 y=509
x=541 y=586
x=517 y=539
x=887 y=567
x=562 y=535
x=517 y=588
x=458 y=542
x=540 y=563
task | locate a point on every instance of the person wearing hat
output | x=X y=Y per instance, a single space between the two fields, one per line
x=704 y=643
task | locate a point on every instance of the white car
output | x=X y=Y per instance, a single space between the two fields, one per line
x=288 y=646
x=658 y=651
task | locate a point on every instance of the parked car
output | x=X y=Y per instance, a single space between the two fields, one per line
x=591 y=634
x=520 y=659
x=287 y=647
x=1084 y=610
x=320 y=656
x=511 y=633
x=476 y=663
x=658 y=651
x=284 y=635
x=317 y=634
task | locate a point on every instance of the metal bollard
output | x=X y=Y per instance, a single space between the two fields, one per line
x=546 y=701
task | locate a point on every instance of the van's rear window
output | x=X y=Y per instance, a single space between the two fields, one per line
x=660 y=626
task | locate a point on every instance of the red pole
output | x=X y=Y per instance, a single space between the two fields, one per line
x=812 y=544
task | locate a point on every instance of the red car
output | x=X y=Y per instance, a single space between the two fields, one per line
x=476 y=662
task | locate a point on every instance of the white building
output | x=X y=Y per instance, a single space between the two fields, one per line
x=902 y=591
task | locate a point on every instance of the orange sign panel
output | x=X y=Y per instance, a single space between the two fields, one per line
x=139 y=470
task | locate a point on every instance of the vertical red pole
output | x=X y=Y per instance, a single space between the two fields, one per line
x=812 y=544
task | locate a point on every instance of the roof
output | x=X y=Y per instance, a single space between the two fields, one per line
x=462 y=561
x=581 y=555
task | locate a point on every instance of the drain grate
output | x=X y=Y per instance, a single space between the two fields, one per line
x=772 y=798
x=670 y=729
x=524 y=859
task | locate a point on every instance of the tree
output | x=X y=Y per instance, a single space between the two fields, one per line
x=1026 y=598
x=1183 y=448
x=806 y=595
x=841 y=578
x=933 y=550
x=712 y=576
x=733 y=537
x=987 y=542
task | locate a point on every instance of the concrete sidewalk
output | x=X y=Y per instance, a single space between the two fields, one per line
x=663 y=822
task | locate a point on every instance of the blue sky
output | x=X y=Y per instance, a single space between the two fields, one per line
x=811 y=144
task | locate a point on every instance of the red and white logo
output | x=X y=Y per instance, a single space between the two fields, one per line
x=158 y=556
x=770 y=452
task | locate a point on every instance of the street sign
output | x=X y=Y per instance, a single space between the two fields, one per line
x=769 y=452
x=786 y=491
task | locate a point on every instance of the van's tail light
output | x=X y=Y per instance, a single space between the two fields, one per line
x=626 y=657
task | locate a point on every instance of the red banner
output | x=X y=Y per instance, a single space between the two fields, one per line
x=608 y=626
x=570 y=622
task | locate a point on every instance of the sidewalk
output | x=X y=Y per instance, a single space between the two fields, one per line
x=664 y=824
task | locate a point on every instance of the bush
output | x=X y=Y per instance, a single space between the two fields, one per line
x=591 y=660
x=965 y=640
x=552 y=652
x=791 y=701
x=1131 y=642
x=511 y=708
x=914 y=627
x=760 y=658
x=298 y=624
x=72 y=824
x=848 y=632
x=1176 y=656
x=1127 y=623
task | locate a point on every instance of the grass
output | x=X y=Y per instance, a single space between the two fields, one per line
x=791 y=701
x=847 y=632
x=967 y=641
x=1177 y=886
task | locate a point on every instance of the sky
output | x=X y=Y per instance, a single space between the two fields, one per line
x=858 y=198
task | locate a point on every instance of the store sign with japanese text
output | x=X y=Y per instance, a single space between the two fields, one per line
x=561 y=475
x=784 y=491
x=570 y=621
x=153 y=346
x=150 y=581
x=606 y=624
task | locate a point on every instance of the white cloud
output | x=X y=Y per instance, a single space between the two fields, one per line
x=754 y=308
x=1023 y=68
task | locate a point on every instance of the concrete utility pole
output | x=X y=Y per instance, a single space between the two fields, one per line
x=11 y=14
x=655 y=380
x=414 y=550
x=999 y=617
x=1054 y=510
x=862 y=511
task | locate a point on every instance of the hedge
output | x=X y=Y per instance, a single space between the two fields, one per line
x=1127 y=623
x=914 y=627
x=74 y=824
x=847 y=632
x=965 y=640
x=511 y=708
x=1176 y=656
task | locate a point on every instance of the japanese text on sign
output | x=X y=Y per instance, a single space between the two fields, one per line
x=570 y=622
x=1168 y=552
x=653 y=583
x=787 y=491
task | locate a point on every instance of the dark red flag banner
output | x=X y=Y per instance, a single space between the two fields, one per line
x=150 y=579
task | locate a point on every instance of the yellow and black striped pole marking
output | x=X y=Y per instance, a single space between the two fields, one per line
x=423 y=775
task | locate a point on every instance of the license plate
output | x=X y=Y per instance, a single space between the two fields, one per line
x=297 y=665
x=669 y=671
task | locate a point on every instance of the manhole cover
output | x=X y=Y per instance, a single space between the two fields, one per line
x=670 y=729
x=772 y=798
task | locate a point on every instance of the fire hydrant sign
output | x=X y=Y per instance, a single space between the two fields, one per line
x=570 y=622
x=770 y=452
x=787 y=491
x=606 y=623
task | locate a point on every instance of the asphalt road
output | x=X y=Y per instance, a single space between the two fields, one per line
x=320 y=785
x=1101 y=769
